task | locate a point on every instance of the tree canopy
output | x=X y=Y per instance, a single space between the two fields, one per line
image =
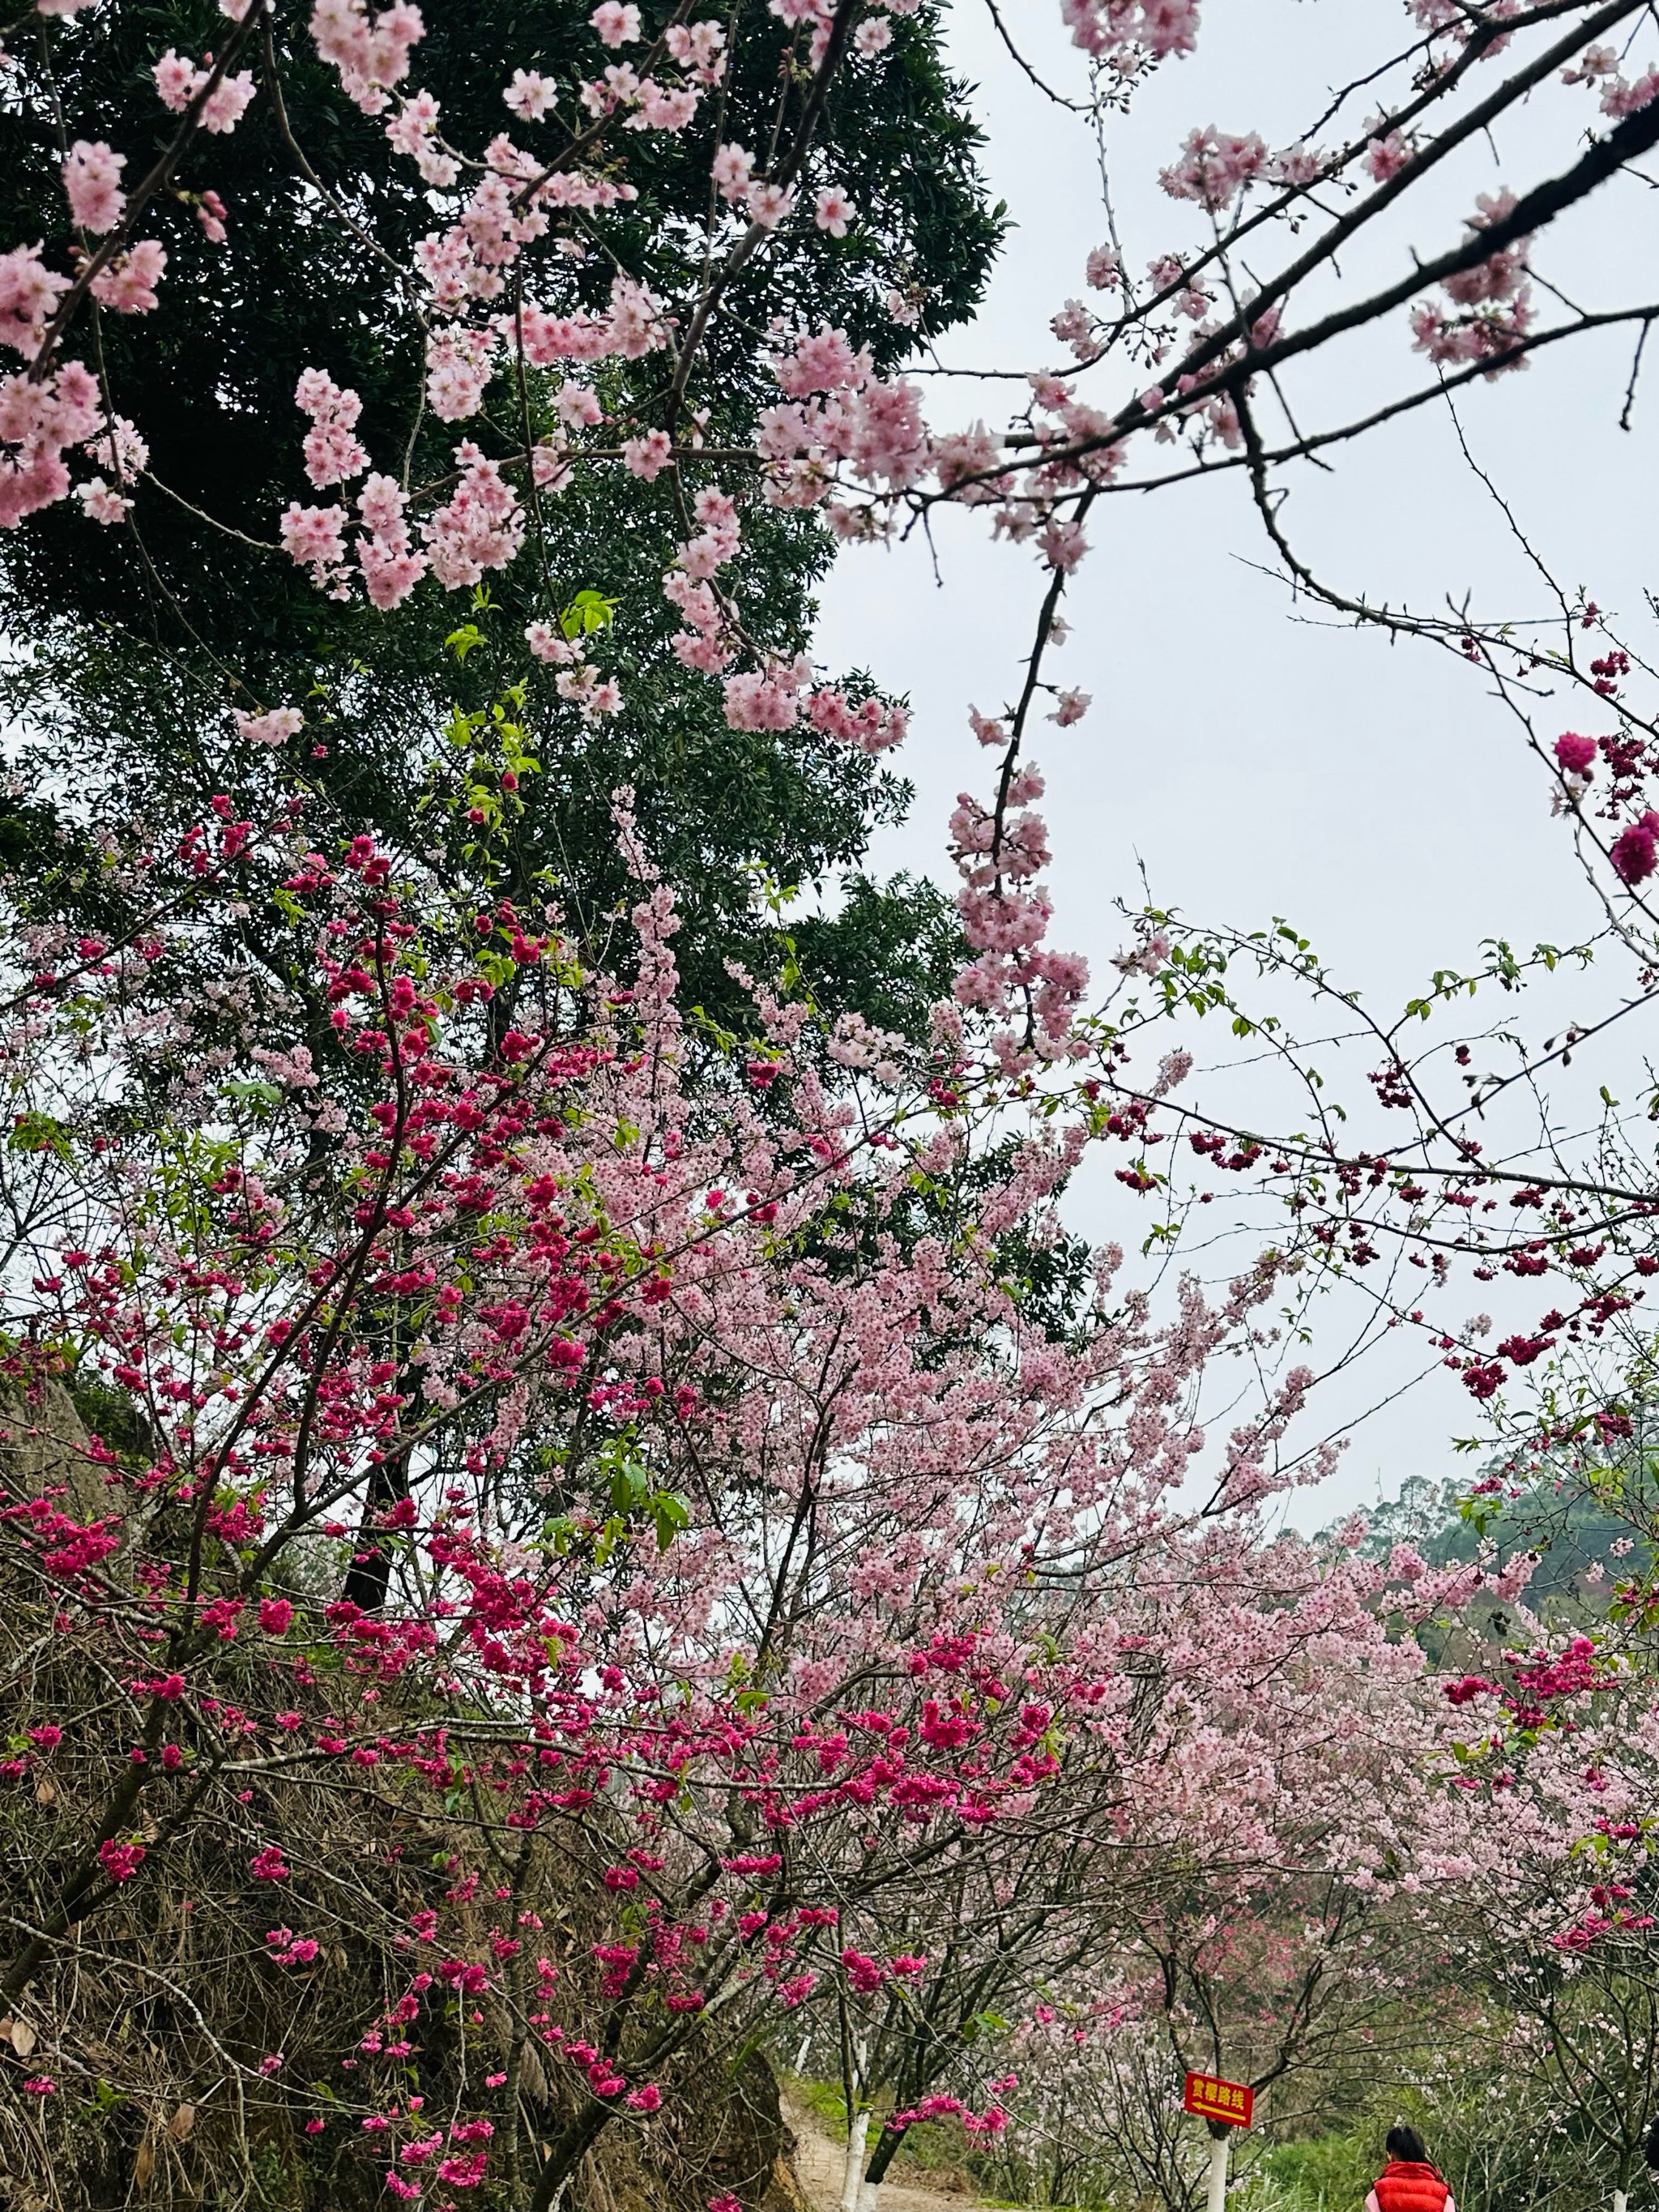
x=143 y=632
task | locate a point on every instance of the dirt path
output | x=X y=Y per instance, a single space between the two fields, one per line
x=818 y=2163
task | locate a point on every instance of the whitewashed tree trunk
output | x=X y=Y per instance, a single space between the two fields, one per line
x=1620 y=2200
x=1219 y=2173
x=858 y=2135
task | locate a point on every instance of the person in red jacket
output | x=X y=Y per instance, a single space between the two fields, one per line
x=1408 y=2182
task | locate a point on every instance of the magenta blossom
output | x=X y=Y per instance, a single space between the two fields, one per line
x=1634 y=852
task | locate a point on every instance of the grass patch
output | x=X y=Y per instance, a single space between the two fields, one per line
x=823 y=2099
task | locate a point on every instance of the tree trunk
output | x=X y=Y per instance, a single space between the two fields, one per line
x=858 y=2134
x=368 y=1578
x=566 y=2154
x=1217 y=2200
x=887 y=2148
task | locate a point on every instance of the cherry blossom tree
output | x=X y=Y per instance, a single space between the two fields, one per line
x=590 y=1501
x=502 y=308
x=1256 y=1919
x=141 y=630
x=1548 y=1828
x=479 y=1469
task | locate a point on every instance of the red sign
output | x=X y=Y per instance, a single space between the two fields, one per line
x=1215 y=2099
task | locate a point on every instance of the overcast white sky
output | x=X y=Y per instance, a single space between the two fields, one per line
x=1255 y=763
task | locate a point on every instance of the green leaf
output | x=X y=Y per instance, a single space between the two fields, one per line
x=254 y=1091
x=630 y=1486
x=669 y=1514
x=587 y=612
x=461 y=641
x=39 y=1133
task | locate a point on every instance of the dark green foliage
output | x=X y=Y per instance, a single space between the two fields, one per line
x=892 y=949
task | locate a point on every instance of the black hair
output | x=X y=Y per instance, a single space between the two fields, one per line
x=1406 y=2144
x=1651 y=2148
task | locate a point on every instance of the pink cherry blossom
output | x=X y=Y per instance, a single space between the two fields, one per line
x=274 y=727
x=1621 y=97
x=1104 y=269
x=834 y=211
x=315 y=538
x=391 y=565
x=530 y=94
x=370 y=51
x=127 y=284
x=225 y=105
x=1063 y=546
x=29 y=296
x=92 y=174
x=617 y=25
x=177 y=81
x=1386 y=157
x=769 y=204
x=733 y=172
x=1297 y=165
x=101 y=502
x=1124 y=29
x=38 y=422
x=459 y=365
x=481 y=526
x=768 y=700
x=390 y=573
x=635 y=321
x=647 y=457
x=332 y=454
x=546 y=644
x=1214 y=168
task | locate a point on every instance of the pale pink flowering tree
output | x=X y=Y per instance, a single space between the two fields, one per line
x=1351 y=1865
x=1212 y=1863
x=1251 y=1901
